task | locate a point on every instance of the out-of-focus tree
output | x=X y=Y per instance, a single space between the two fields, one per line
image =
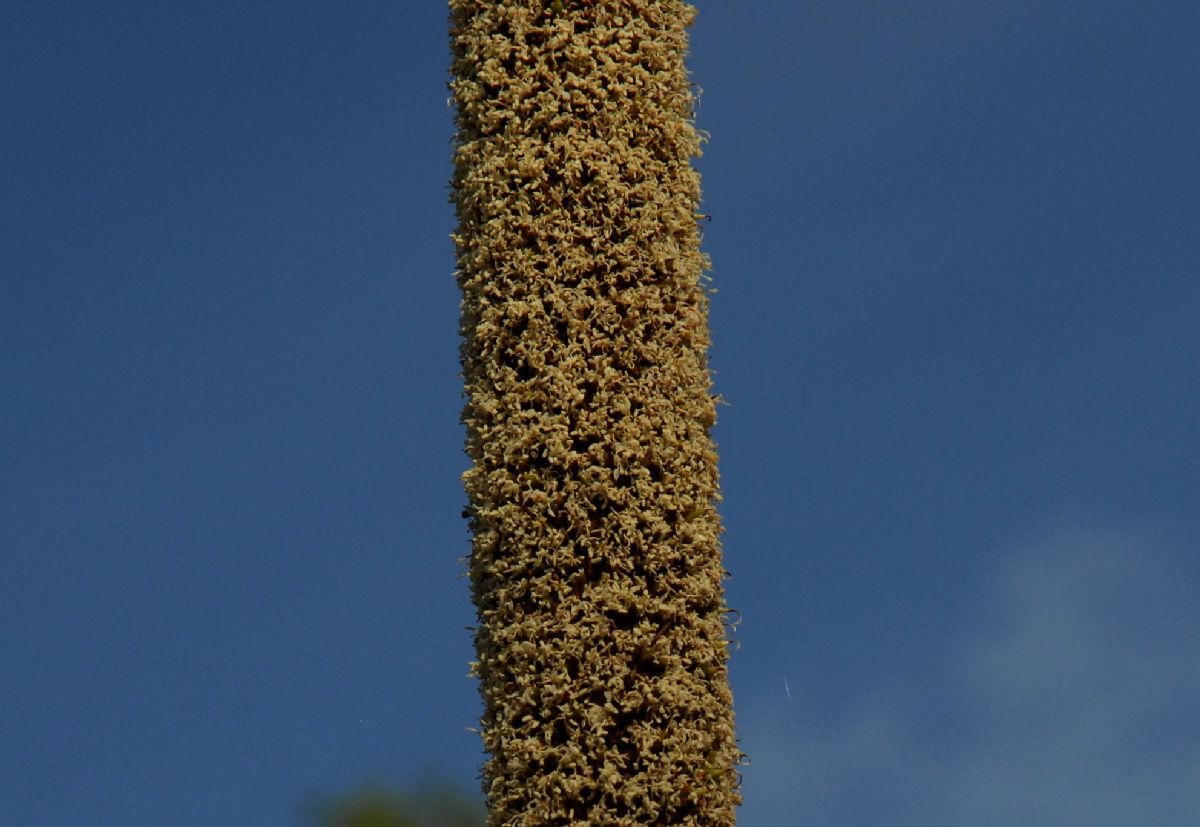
x=440 y=805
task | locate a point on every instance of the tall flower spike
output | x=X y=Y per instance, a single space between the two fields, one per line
x=596 y=564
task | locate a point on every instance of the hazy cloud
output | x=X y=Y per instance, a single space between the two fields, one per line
x=1077 y=691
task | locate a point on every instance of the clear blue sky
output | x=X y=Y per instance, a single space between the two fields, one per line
x=957 y=246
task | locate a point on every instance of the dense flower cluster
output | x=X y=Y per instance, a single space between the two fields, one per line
x=596 y=565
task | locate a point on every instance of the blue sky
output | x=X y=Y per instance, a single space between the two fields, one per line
x=956 y=251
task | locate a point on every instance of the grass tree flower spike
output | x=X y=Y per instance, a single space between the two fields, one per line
x=596 y=566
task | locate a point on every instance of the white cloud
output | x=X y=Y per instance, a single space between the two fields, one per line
x=1080 y=683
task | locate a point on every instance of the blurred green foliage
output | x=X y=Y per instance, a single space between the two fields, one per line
x=425 y=805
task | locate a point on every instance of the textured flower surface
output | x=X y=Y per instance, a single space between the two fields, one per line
x=596 y=566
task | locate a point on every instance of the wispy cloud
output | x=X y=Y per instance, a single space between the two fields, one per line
x=1077 y=690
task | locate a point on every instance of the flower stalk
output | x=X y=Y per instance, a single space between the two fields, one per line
x=596 y=566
